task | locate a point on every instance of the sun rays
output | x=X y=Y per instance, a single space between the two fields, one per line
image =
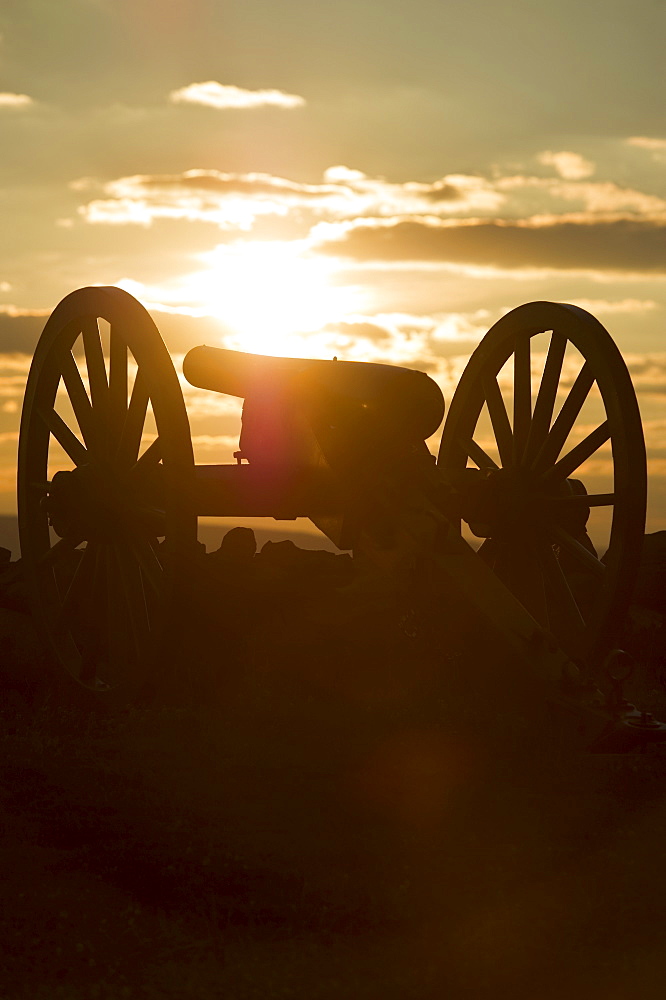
x=270 y=295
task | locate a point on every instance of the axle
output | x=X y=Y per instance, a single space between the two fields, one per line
x=264 y=491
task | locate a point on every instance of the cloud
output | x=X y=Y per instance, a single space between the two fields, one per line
x=342 y=173
x=644 y=142
x=215 y=441
x=620 y=306
x=648 y=373
x=237 y=200
x=623 y=244
x=20 y=329
x=15 y=101
x=512 y=224
x=426 y=342
x=217 y=95
x=596 y=197
x=571 y=166
x=232 y=200
x=657 y=147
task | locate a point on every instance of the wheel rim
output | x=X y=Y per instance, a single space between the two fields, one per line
x=104 y=475
x=572 y=411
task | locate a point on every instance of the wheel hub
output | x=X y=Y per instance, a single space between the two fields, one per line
x=503 y=503
x=90 y=503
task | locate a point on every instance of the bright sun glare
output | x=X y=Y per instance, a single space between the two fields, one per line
x=271 y=295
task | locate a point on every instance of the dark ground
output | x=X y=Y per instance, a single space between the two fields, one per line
x=324 y=819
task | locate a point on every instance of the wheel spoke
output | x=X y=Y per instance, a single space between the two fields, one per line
x=92 y=469
x=79 y=585
x=499 y=420
x=135 y=418
x=580 y=417
x=532 y=587
x=63 y=547
x=92 y=346
x=78 y=397
x=89 y=658
x=118 y=381
x=121 y=643
x=118 y=625
x=564 y=605
x=575 y=458
x=545 y=401
x=577 y=549
x=587 y=500
x=488 y=551
x=478 y=455
x=565 y=420
x=92 y=644
x=502 y=562
x=523 y=575
x=137 y=630
x=64 y=436
x=151 y=456
x=151 y=567
x=522 y=397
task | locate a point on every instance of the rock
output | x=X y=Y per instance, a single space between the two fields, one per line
x=237 y=549
x=12 y=587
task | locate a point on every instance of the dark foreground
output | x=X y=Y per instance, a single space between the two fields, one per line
x=350 y=818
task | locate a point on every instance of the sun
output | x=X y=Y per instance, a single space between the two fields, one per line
x=271 y=295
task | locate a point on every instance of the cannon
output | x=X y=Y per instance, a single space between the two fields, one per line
x=109 y=493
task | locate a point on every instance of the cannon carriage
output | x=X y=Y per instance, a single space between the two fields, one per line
x=109 y=493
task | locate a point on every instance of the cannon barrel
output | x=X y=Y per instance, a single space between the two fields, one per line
x=399 y=398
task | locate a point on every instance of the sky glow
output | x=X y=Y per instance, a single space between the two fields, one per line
x=380 y=184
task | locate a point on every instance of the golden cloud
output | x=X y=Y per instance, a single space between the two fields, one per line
x=20 y=330
x=236 y=201
x=621 y=244
x=232 y=200
x=606 y=307
x=645 y=142
x=594 y=197
x=571 y=166
x=212 y=94
x=15 y=101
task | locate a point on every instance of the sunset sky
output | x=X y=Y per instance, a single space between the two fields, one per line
x=372 y=180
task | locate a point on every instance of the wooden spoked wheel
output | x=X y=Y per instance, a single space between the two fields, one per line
x=104 y=487
x=543 y=444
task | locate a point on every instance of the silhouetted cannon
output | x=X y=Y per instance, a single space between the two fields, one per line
x=316 y=434
x=404 y=402
x=109 y=494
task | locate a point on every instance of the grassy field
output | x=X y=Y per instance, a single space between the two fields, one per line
x=320 y=812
